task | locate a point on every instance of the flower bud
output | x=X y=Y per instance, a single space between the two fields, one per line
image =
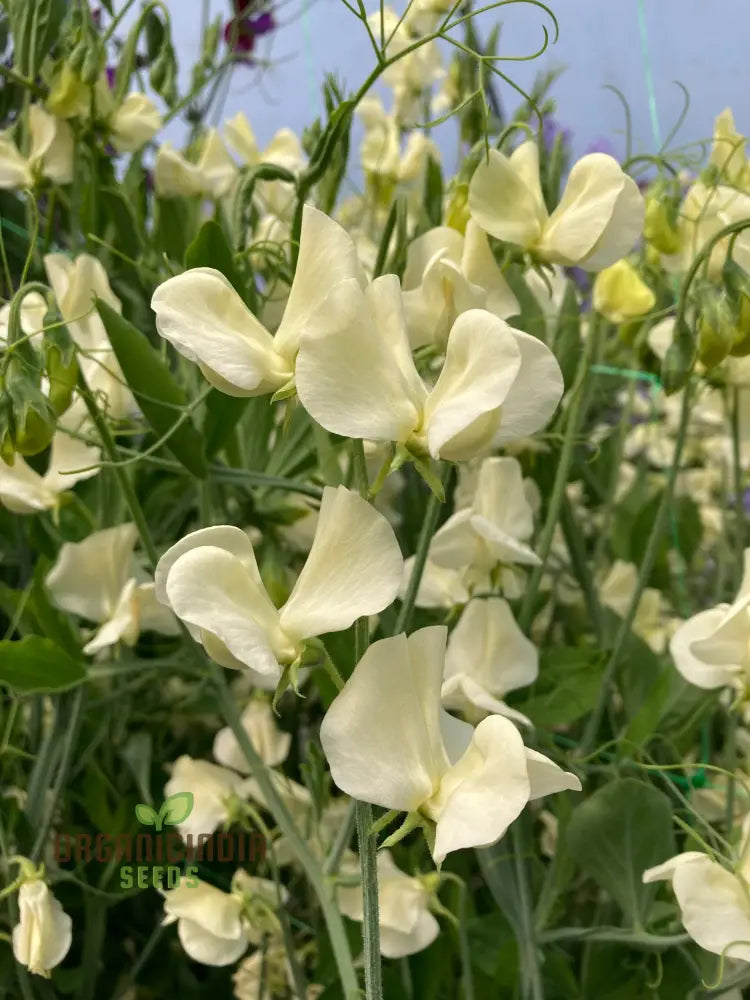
x=659 y=226
x=69 y=97
x=716 y=330
x=33 y=417
x=457 y=209
x=620 y=294
x=43 y=935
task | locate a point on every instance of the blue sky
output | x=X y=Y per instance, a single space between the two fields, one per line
x=702 y=43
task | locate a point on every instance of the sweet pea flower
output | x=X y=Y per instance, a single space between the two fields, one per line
x=714 y=901
x=259 y=722
x=598 y=219
x=213 y=175
x=43 y=935
x=388 y=741
x=97 y=579
x=728 y=149
x=712 y=649
x=212 y=788
x=357 y=378
x=406 y=923
x=620 y=294
x=76 y=284
x=380 y=153
x=33 y=312
x=50 y=155
x=216 y=927
x=134 y=123
x=446 y=274
x=487 y=656
x=276 y=198
x=704 y=212
x=616 y=591
x=491 y=534
x=210 y=580
x=205 y=319
x=25 y=491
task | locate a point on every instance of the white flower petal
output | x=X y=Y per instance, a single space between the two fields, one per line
x=201 y=314
x=546 y=778
x=355 y=374
x=354 y=568
x=484 y=792
x=536 y=391
x=88 y=577
x=715 y=908
x=488 y=645
x=481 y=363
x=693 y=668
x=381 y=735
x=599 y=217
x=505 y=197
x=212 y=589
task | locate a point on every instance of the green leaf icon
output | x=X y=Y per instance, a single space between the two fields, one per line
x=175 y=809
x=146 y=815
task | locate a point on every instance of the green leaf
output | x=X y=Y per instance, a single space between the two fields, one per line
x=223 y=413
x=34 y=665
x=35 y=28
x=615 y=835
x=120 y=213
x=146 y=815
x=156 y=391
x=568 y=686
x=176 y=808
x=211 y=249
x=567 y=343
x=433 y=192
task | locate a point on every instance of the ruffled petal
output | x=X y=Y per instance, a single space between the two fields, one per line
x=354 y=568
x=201 y=314
x=505 y=197
x=381 y=735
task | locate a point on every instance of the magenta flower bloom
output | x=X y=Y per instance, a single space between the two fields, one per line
x=241 y=32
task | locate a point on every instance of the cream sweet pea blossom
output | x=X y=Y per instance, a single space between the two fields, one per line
x=76 y=284
x=714 y=902
x=706 y=210
x=97 y=579
x=134 y=123
x=210 y=580
x=216 y=927
x=205 y=319
x=356 y=376
x=728 y=150
x=44 y=933
x=481 y=544
x=259 y=722
x=651 y=621
x=33 y=312
x=24 y=491
x=388 y=741
x=487 y=656
x=212 y=176
x=50 y=155
x=406 y=923
x=598 y=219
x=213 y=789
x=446 y=274
x=712 y=649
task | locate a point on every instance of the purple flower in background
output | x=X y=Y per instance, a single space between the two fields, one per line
x=601 y=145
x=241 y=32
x=110 y=72
x=551 y=128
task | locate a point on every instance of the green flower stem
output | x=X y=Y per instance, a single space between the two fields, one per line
x=614 y=935
x=366 y=840
x=577 y=548
x=230 y=712
x=573 y=423
x=70 y=729
x=649 y=558
x=527 y=945
x=420 y=556
x=739 y=507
